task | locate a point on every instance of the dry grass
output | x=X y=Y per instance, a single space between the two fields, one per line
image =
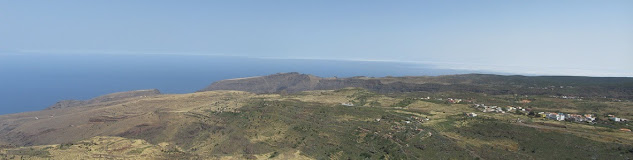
x=92 y=128
x=464 y=142
x=95 y=148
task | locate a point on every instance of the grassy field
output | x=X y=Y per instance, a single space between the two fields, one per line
x=314 y=125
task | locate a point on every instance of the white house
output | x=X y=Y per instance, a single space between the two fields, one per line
x=556 y=116
x=615 y=119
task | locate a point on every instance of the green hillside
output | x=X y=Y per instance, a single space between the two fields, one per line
x=307 y=125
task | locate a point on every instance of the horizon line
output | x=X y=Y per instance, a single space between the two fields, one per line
x=474 y=67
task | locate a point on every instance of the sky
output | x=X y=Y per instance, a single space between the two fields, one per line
x=536 y=37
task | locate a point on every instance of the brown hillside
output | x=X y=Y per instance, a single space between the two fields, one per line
x=105 y=98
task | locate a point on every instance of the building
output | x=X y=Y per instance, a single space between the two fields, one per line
x=615 y=119
x=471 y=114
x=590 y=118
x=451 y=100
x=556 y=116
x=349 y=104
x=576 y=118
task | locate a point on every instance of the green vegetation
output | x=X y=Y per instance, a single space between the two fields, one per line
x=361 y=97
x=539 y=144
x=319 y=131
x=403 y=103
x=325 y=131
x=315 y=125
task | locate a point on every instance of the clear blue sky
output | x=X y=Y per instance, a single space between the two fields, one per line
x=575 y=37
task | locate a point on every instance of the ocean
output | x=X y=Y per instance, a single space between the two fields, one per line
x=30 y=82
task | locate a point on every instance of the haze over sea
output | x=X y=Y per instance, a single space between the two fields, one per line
x=33 y=81
x=70 y=49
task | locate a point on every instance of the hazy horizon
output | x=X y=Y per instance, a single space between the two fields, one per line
x=578 y=38
x=59 y=77
x=326 y=79
x=461 y=66
x=72 y=49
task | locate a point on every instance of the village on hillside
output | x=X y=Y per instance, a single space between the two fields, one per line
x=589 y=118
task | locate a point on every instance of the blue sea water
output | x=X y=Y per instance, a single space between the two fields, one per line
x=30 y=82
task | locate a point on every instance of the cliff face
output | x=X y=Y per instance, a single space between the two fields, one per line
x=104 y=98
